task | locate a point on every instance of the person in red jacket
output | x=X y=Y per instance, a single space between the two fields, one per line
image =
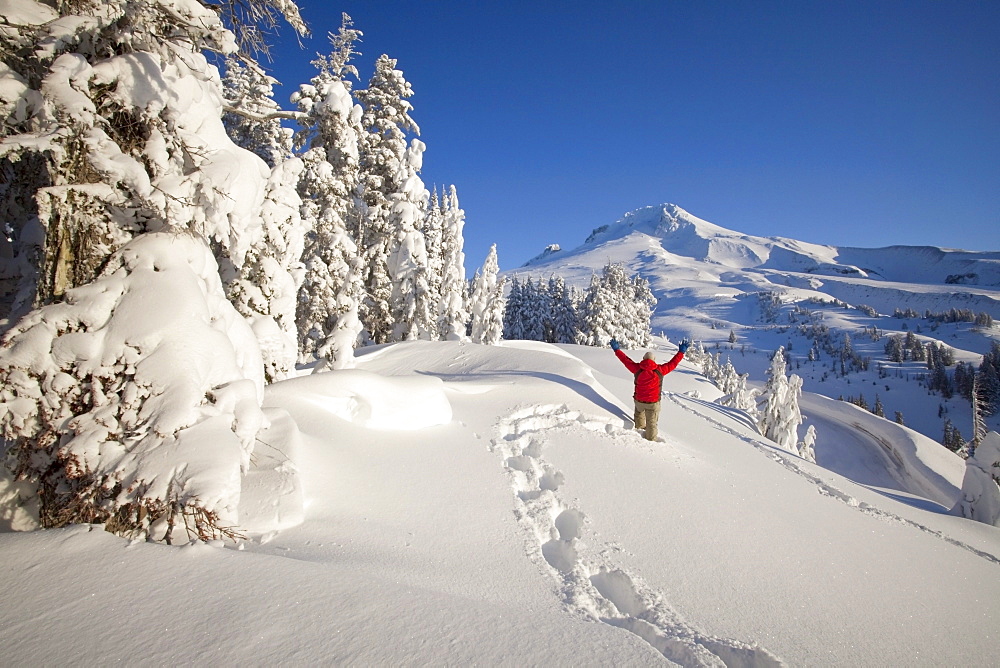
x=648 y=383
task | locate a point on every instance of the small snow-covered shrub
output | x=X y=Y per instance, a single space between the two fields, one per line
x=980 y=497
x=136 y=401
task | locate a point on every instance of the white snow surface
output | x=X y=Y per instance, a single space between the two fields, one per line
x=451 y=503
x=706 y=279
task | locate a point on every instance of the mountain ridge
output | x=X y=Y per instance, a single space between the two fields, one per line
x=684 y=234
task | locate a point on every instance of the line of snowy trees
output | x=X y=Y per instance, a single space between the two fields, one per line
x=613 y=306
x=981 y=319
x=169 y=247
x=775 y=409
x=382 y=259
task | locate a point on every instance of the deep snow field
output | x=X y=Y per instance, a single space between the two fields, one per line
x=450 y=503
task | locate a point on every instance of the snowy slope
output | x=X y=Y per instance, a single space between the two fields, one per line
x=454 y=504
x=706 y=279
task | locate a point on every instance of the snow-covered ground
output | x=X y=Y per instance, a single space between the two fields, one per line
x=450 y=503
x=706 y=279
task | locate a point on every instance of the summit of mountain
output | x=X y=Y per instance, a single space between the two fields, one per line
x=675 y=231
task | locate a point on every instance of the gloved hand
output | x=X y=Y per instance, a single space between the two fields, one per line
x=614 y=344
x=683 y=347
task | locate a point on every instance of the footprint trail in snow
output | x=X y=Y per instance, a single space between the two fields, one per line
x=590 y=580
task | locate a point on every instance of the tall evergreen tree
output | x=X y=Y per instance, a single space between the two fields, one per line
x=432 y=229
x=332 y=290
x=453 y=312
x=597 y=316
x=564 y=318
x=413 y=303
x=264 y=288
x=513 y=318
x=978 y=415
x=532 y=311
x=989 y=380
x=388 y=213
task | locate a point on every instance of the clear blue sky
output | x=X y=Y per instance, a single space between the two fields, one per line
x=863 y=123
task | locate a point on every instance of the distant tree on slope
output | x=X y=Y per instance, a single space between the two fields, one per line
x=616 y=306
x=487 y=302
x=779 y=413
x=980 y=496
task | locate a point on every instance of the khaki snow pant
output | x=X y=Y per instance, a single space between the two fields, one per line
x=647 y=417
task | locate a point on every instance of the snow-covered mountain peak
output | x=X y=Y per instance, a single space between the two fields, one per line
x=684 y=235
x=663 y=220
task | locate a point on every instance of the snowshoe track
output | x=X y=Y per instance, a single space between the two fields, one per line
x=590 y=580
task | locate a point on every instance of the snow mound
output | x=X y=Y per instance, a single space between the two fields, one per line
x=271 y=498
x=373 y=401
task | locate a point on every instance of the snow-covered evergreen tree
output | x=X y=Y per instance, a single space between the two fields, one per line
x=513 y=319
x=118 y=135
x=597 y=315
x=453 y=312
x=779 y=418
x=432 y=229
x=989 y=380
x=564 y=318
x=413 y=303
x=332 y=289
x=878 y=409
x=737 y=393
x=807 y=448
x=532 y=311
x=640 y=311
x=388 y=204
x=135 y=402
x=728 y=378
x=112 y=140
x=980 y=497
x=253 y=118
x=743 y=397
x=616 y=306
x=487 y=303
x=265 y=288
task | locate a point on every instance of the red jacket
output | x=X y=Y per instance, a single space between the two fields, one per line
x=649 y=375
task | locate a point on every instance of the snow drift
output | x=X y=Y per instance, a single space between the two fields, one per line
x=531 y=526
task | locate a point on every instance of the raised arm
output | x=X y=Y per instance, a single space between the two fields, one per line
x=629 y=364
x=667 y=367
x=676 y=359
